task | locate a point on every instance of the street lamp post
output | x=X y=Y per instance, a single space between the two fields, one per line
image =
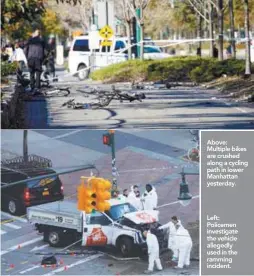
x=184 y=195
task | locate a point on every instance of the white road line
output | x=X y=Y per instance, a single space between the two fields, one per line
x=2 y=232
x=242 y=110
x=29 y=269
x=175 y=202
x=67 y=134
x=21 y=245
x=13 y=217
x=11 y=225
x=74 y=264
x=39 y=247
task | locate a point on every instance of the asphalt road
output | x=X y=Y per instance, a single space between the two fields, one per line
x=141 y=157
x=179 y=107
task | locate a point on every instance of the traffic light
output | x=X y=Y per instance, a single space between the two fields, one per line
x=90 y=200
x=102 y=187
x=107 y=139
x=81 y=197
x=94 y=195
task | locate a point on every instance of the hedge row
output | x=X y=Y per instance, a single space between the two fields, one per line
x=8 y=68
x=173 y=69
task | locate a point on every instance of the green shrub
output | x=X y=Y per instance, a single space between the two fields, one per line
x=8 y=68
x=172 y=69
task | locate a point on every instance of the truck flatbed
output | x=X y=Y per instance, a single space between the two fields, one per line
x=60 y=214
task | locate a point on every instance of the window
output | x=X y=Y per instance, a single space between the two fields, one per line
x=97 y=218
x=149 y=50
x=119 y=45
x=117 y=211
x=81 y=45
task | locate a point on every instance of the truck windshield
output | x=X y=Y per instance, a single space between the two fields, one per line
x=149 y=50
x=117 y=211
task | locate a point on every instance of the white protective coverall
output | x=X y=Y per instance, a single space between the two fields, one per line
x=153 y=251
x=150 y=200
x=171 y=237
x=133 y=200
x=184 y=245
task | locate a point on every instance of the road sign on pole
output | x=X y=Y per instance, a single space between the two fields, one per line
x=106 y=32
x=105 y=12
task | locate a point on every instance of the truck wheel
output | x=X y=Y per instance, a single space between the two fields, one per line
x=14 y=207
x=46 y=236
x=54 y=238
x=126 y=246
x=83 y=74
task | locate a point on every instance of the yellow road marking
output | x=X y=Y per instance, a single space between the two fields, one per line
x=24 y=262
x=11 y=220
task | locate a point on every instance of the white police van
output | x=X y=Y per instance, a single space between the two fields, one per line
x=80 y=54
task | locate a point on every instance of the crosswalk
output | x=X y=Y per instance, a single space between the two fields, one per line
x=11 y=223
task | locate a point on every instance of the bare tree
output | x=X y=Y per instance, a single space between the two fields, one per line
x=247 y=37
x=84 y=13
x=142 y=5
x=127 y=18
x=232 y=27
x=220 y=27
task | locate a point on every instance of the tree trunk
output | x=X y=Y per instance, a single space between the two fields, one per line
x=247 y=37
x=232 y=27
x=142 y=41
x=211 y=29
x=134 y=34
x=25 y=146
x=220 y=25
x=128 y=30
x=199 y=34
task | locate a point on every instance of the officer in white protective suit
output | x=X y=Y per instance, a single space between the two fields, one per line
x=150 y=198
x=132 y=199
x=183 y=245
x=171 y=225
x=153 y=252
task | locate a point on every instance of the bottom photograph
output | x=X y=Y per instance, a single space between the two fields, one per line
x=100 y=202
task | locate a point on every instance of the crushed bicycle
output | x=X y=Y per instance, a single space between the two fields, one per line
x=104 y=99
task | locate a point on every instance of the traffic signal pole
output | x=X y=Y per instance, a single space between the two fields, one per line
x=114 y=170
x=109 y=140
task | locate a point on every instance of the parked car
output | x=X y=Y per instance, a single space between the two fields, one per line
x=80 y=54
x=16 y=198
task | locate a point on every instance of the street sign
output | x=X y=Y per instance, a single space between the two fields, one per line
x=94 y=40
x=106 y=43
x=105 y=11
x=106 y=32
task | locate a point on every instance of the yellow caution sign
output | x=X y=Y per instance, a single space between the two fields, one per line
x=106 y=43
x=106 y=32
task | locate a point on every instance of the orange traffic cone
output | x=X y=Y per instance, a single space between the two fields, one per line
x=12 y=266
x=61 y=262
x=19 y=246
x=65 y=268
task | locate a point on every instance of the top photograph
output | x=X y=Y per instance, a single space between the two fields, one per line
x=109 y=64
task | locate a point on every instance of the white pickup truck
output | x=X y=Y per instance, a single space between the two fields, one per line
x=122 y=226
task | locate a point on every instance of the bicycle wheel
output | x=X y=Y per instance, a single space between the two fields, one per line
x=193 y=154
x=63 y=92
